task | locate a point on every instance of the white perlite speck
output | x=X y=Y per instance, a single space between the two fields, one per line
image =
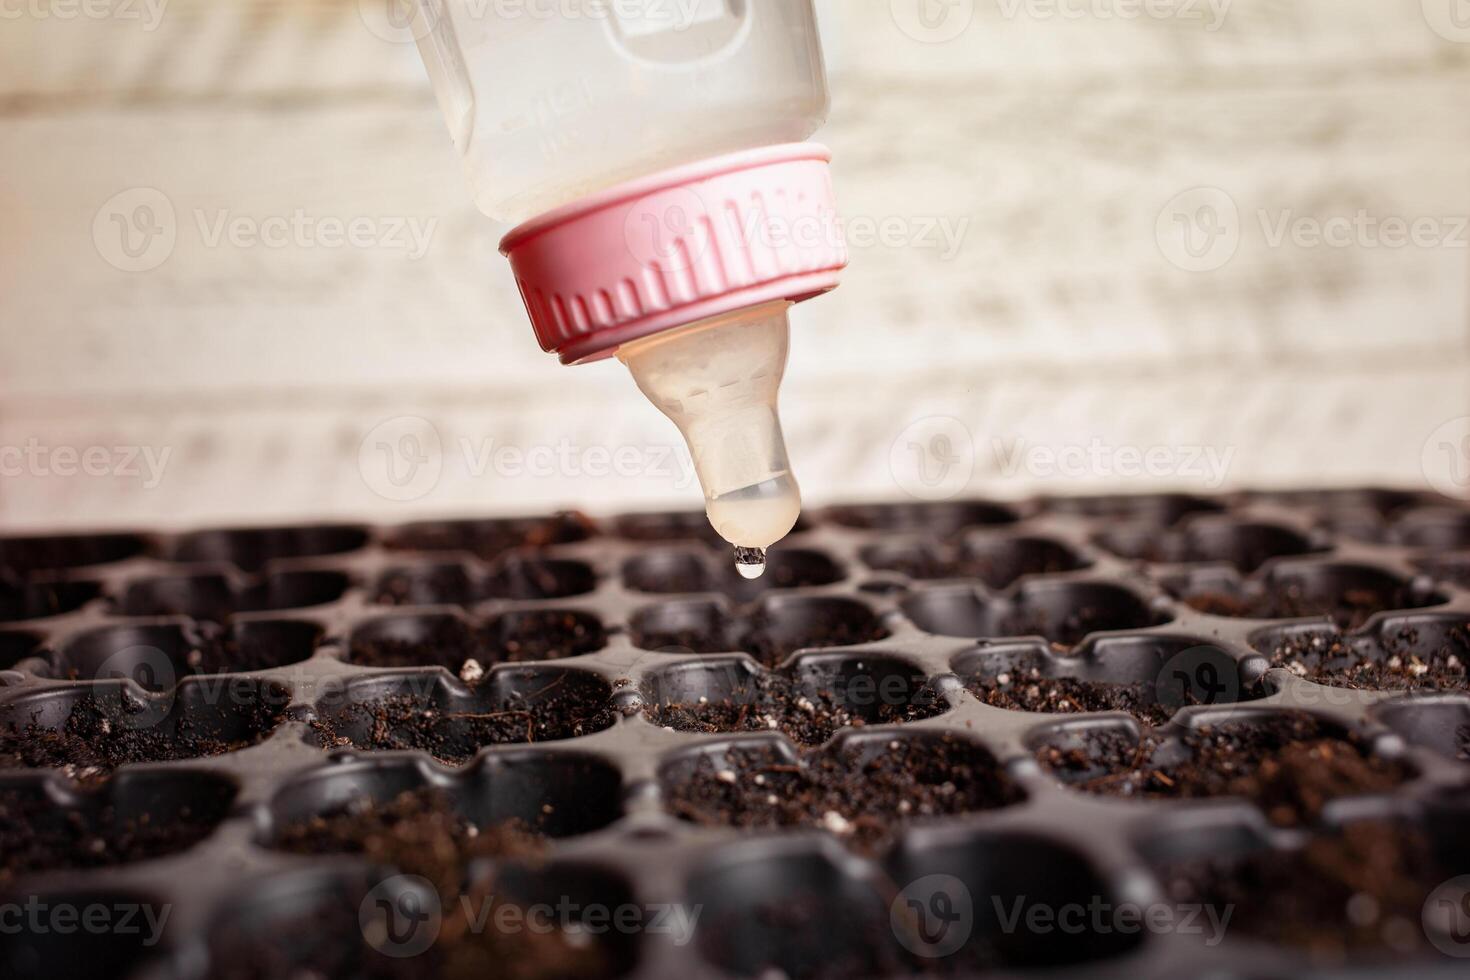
x=471 y=672
x=836 y=822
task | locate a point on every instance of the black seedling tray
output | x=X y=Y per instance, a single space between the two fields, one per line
x=952 y=738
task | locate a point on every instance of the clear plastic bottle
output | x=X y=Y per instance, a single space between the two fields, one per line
x=549 y=101
x=590 y=123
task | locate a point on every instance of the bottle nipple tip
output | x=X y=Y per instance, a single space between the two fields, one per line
x=750 y=562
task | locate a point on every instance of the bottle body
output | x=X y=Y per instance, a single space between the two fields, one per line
x=650 y=155
x=549 y=101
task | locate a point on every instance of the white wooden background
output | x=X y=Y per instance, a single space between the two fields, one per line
x=1055 y=324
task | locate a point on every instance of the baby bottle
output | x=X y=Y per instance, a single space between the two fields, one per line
x=666 y=210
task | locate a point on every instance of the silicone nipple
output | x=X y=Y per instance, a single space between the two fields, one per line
x=718 y=381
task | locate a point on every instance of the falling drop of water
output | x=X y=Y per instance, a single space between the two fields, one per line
x=750 y=562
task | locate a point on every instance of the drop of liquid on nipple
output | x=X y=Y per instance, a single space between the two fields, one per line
x=750 y=562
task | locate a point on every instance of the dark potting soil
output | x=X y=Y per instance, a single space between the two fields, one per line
x=774 y=702
x=417 y=833
x=98 y=737
x=1357 y=891
x=436 y=586
x=1393 y=662
x=1026 y=689
x=1348 y=610
x=545 y=635
x=1287 y=765
x=490 y=539
x=769 y=641
x=37 y=835
x=405 y=722
x=768 y=638
x=1064 y=632
x=448 y=643
x=863 y=801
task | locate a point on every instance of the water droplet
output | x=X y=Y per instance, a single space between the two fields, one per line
x=750 y=562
